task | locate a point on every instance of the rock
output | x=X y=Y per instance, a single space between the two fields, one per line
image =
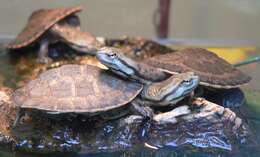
x=207 y=126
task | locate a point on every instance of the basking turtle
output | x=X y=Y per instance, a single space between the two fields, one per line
x=46 y=26
x=221 y=79
x=214 y=71
x=89 y=90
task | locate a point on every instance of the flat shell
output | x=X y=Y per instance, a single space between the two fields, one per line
x=38 y=23
x=78 y=89
x=213 y=70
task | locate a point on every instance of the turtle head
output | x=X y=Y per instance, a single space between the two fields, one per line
x=76 y=38
x=185 y=84
x=116 y=61
x=173 y=89
x=84 y=42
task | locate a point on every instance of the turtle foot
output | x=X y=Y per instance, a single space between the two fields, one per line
x=171 y=116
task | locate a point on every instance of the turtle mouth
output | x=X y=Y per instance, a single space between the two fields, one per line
x=182 y=96
x=195 y=83
x=185 y=91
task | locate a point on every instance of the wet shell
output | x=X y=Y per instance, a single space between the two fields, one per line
x=78 y=89
x=213 y=71
x=38 y=23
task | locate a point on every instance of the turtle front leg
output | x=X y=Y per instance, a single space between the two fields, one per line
x=161 y=118
x=43 y=52
x=145 y=111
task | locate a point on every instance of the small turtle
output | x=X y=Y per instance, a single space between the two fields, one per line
x=214 y=71
x=221 y=79
x=86 y=89
x=46 y=26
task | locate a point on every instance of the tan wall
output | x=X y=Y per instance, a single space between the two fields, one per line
x=216 y=19
x=219 y=19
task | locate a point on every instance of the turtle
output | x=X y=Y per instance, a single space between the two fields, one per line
x=47 y=26
x=89 y=90
x=215 y=73
x=220 y=81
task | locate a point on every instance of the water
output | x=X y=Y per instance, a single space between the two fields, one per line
x=250 y=114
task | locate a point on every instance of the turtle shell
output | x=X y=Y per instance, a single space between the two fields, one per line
x=213 y=71
x=38 y=23
x=76 y=89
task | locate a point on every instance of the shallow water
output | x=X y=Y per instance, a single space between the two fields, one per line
x=250 y=112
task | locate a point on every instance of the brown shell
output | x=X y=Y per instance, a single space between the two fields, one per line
x=213 y=70
x=38 y=23
x=78 y=89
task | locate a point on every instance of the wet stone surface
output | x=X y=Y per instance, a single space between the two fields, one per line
x=43 y=133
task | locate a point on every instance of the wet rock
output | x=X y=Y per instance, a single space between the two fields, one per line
x=207 y=126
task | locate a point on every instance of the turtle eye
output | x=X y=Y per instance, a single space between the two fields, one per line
x=187 y=82
x=113 y=55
